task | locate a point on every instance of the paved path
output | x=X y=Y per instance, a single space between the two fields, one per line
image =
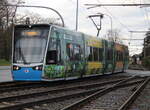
x=138 y=72
x=5 y=67
x=5 y=74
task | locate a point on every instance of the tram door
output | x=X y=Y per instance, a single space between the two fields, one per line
x=74 y=60
x=54 y=67
x=109 y=57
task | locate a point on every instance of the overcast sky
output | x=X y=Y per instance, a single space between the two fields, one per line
x=124 y=19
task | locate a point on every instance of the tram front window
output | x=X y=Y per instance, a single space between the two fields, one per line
x=30 y=45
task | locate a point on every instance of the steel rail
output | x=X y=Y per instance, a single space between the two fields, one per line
x=14 y=87
x=47 y=100
x=21 y=86
x=9 y=98
x=133 y=97
x=60 y=98
x=97 y=94
x=15 y=84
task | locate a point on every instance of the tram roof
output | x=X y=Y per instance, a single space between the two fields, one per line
x=27 y=25
x=69 y=31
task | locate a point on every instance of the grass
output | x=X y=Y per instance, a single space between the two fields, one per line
x=4 y=62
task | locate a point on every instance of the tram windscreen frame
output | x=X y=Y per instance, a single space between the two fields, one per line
x=30 y=44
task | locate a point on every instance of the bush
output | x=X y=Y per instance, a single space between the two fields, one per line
x=146 y=62
x=4 y=62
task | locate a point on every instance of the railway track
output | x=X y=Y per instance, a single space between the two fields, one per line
x=126 y=96
x=142 y=102
x=17 y=102
x=16 y=86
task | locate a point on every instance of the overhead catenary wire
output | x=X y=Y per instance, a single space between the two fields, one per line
x=123 y=25
x=133 y=4
x=126 y=27
x=99 y=5
x=114 y=17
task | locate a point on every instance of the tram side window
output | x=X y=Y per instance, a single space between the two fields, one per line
x=100 y=54
x=119 y=56
x=77 y=52
x=90 y=53
x=95 y=54
x=73 y=52
x=126 y=55
x=53 y=53
x=69 y=49
x=110 y=54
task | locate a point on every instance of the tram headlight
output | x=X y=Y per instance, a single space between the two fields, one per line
x=16 y=68
x=38 y=68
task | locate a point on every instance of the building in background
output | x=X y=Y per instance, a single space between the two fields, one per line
x=146 y=49
x=136 y=59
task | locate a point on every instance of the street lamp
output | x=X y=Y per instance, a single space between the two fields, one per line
x=77 y=15
x=110 y=22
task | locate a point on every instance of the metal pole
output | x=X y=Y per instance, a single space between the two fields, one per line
x=77 y=14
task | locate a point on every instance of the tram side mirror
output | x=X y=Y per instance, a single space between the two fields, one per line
x=51 y=57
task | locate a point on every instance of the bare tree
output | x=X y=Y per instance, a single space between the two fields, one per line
x=114 y=35
x=7 y=12
x=6 y=15
x=6 y=18
x=35 y=18
x=3 y=14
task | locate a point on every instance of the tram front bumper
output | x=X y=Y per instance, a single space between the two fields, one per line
x=27 y=74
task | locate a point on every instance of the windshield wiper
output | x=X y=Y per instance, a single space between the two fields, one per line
x=23 y=58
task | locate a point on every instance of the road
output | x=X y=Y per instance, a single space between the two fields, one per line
x=5 y=74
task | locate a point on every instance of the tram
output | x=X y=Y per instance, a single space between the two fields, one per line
x=48 y=52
